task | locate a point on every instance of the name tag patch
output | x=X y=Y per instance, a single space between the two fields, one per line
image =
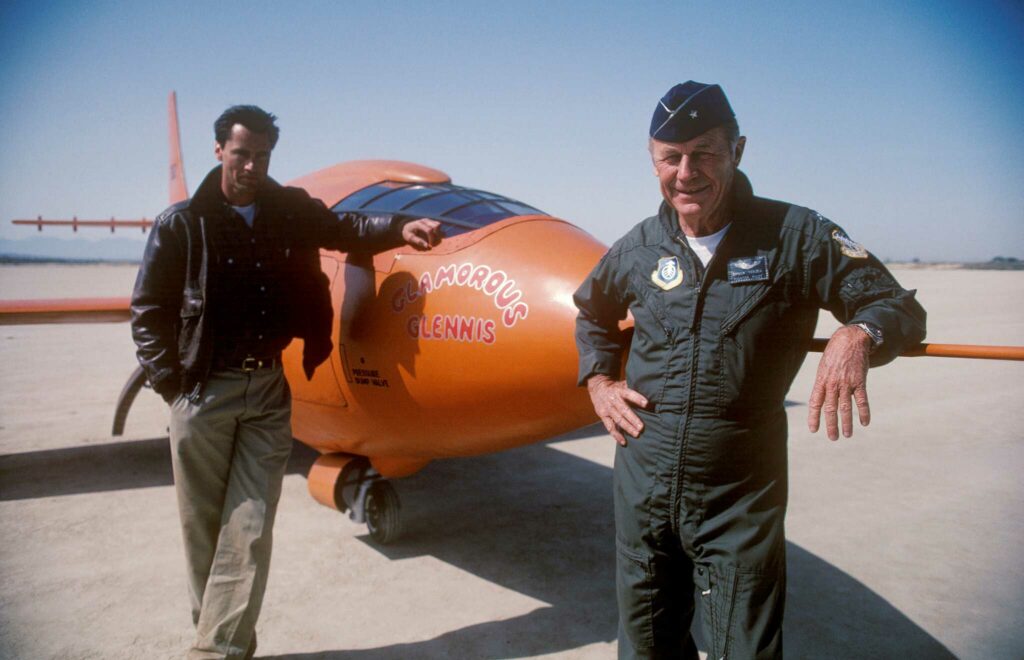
x=748 y=269
x=668 y=274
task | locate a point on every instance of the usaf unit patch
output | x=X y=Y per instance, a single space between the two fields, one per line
x=668 y=274
x=847 y=246
x=748 y=269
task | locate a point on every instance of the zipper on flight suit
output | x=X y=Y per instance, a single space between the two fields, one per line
x=694 y=328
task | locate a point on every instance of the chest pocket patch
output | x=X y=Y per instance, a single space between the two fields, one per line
x=748 y=269
x=756 y=294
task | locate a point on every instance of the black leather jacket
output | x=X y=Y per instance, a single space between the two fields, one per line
x=173 y=290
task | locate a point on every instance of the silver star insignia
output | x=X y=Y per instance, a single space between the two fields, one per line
x=693 y=114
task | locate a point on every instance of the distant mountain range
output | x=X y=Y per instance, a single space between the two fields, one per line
x=62 y=249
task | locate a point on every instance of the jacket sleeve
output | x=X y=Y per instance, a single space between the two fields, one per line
x=156 y=309
x=351 y=232
x=853 y=284
x=602 y=304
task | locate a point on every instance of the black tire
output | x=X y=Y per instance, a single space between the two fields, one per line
x=383 y=508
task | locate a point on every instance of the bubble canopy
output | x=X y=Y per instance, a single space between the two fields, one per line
x=458 y=208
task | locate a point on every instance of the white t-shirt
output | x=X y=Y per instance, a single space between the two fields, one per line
x=704 y=246
x=247 y=212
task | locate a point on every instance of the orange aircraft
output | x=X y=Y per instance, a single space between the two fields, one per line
x=463 y=350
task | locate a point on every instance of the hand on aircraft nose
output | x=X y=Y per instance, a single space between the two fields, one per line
x=613 y=402
x=422 y=234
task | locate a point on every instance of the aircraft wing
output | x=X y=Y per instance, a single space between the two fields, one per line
x=115 y=310
x=975 y=351
x=64 y=310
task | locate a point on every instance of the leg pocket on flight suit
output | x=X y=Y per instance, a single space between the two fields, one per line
x=717 y=598
x=635 y=590
x=742 y=611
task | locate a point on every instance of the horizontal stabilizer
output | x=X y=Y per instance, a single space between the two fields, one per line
x=64 y=310
x=75 y=223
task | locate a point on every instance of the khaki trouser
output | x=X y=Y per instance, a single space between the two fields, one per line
x=229 y=452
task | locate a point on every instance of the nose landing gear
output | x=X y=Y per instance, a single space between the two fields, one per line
x=349 y=483
x=381 y=509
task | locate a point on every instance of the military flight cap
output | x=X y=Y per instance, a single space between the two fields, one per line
x=689 y=109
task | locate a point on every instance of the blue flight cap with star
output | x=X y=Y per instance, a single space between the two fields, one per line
x=689 y=109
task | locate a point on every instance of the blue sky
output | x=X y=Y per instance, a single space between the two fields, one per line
x=900 y=121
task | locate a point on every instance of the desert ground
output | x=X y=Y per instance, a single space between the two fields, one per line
x=904 y=541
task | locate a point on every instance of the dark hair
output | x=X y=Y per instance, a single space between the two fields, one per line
x=252 y=117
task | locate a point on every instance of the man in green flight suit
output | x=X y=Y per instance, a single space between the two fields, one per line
x=724 y=289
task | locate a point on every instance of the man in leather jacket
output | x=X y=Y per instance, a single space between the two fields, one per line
x=228 y=278
x=724 y=289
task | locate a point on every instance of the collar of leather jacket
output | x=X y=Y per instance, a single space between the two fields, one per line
x=209 y=198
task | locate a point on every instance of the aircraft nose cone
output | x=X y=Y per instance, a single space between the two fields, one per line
x=491 y=316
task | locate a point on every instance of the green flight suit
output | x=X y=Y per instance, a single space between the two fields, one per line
x=700 y=496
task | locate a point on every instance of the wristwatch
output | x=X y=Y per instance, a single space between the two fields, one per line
x=873 y=331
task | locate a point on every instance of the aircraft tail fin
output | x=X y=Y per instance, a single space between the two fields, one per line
x=177 y=186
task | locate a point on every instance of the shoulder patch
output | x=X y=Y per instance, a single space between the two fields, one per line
x=848 y=246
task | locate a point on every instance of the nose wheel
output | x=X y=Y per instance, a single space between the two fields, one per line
x=381 y=511
x=369 y=498
x=350 y=484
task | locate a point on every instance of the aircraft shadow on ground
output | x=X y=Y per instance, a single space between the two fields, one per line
x=538 y=520
x=535 y=520
x=101 y=468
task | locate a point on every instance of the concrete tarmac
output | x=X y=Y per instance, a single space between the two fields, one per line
x=904 y=541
